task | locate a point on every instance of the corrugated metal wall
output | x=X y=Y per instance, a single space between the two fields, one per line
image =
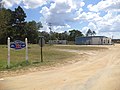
x=93 y=40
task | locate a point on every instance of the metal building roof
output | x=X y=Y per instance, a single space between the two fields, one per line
x=89 y=37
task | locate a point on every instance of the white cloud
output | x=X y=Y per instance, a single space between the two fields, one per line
x=92 y=26
x=45 y=12
x=109 y=25
x=87 y=16
x=27 y=3
x=61 y=11
x=59 y=8
x=102 y=23
x=33 y=3
x=74 y=4
x=54 y=28
x=10 y=3
x=84 y=29
x=61 y=28
x=106 y=5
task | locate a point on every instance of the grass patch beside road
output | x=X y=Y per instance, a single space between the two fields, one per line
x=51 y=55
x=81 y=47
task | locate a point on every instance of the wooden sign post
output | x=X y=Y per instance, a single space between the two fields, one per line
x=41 y=43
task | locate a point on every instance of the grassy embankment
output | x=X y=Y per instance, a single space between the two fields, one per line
x=51 y=55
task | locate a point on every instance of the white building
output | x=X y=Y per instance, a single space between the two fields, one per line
x=93 y=40
x=58 y=42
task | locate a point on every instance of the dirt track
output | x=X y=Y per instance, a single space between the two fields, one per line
x=98 y=71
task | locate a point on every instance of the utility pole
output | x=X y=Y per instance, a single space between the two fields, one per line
x=1 y=5
x=50 y=25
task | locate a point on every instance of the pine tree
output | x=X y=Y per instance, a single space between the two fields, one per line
x=19 y=23
x=89 y=33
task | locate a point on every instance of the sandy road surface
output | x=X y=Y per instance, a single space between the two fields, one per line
x=98 y=71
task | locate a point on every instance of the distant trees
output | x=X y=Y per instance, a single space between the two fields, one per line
x=93 y=33
x=46 y=35
x=90 y=33
x=73 y=34
x=69 y=36
x=31 y=31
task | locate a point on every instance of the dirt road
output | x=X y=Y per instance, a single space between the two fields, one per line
x=98 y=71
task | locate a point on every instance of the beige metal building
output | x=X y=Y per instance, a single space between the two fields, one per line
x=93 y=40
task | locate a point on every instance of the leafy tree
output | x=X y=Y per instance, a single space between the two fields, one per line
x=39 y=25
x=5 y=27
x=73 y=34
x=54 y=35
x=64 y=36
x=13 y=25
x=93 y=33
x=89 y=33
x=31 y=31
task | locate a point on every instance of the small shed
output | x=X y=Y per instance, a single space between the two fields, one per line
x=93 y=40
x=58 y=42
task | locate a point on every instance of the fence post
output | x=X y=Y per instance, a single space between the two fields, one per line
x=8 y=65
x=26 y=42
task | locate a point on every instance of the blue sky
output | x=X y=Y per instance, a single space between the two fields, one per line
x=102 y=16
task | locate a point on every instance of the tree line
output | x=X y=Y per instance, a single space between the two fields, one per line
x=13 y=25
x=69 y=36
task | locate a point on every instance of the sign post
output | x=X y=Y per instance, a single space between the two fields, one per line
x=41 y=43
x=26 y=42
x=17 y=45
x=8 y=65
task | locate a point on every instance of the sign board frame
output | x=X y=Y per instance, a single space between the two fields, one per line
x=17 y=45
x=13 y=45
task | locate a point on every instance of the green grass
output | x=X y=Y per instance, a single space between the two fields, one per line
x=80 y=47
x=51 y=56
